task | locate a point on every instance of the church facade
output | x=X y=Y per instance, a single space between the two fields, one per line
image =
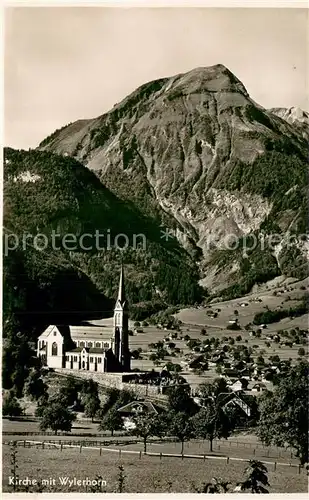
x=92 y=347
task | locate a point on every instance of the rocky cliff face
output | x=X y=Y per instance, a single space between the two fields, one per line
x=197 y=153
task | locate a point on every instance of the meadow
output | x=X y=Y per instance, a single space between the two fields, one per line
x=146 y=474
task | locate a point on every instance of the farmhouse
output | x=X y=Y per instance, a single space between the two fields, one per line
x=92 y=347
x=136 y=408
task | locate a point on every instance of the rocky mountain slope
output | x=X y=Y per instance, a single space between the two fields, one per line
x=195 y=152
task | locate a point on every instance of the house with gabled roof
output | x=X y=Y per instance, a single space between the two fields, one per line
x=131 y=410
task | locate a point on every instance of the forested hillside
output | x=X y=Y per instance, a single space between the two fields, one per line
x=49 y=194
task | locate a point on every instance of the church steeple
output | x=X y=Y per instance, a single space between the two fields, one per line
x=121 y=326
x=121 y=290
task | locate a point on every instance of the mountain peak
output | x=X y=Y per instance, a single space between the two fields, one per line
x=217 y=78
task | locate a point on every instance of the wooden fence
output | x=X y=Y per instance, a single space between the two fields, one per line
x=60 y=433
x=217 y=443
x=93 y=445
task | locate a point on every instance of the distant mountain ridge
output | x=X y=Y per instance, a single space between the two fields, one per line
x=195 y=152
x=295 y=116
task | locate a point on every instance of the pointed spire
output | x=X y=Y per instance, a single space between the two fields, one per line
x=121 y=291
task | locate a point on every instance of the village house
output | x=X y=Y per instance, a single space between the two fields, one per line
x=258 y=387
x=136 y=408
x=239 y=385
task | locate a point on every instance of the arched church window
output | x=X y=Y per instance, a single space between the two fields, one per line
x=82 y=344
x=89 y=344
x=54 y=349
x=98 y=344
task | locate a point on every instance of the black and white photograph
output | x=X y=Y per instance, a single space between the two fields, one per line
x=155 y=249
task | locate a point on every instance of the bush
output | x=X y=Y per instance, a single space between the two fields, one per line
x=233 y=326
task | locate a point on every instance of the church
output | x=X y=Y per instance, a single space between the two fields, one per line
x=94 y=347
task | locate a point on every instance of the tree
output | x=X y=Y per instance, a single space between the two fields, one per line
x=180 y=426
x=57 y=418
x=11 y=406
x=274 y=359
x=90 y=398
x=193 y=343
x=218 y=386
x=147 y=425
x=18 y=358
x=68 y=391
x=260 y=360
x=301 y=351
x=35 y=386
x=284 y=413
x=153 y=357
x=41 y=405
x=88 y=387
x=179 y=400
x=256 y=478
x=173 y=367
x=211 y=422
x=112 y=421
x=92 y=406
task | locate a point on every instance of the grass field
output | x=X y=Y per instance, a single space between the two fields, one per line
x=242 y=445
x=148 y=474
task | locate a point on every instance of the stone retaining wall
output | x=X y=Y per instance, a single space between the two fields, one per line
x=113 y=380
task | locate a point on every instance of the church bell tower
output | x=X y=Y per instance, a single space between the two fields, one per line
x=121 y=327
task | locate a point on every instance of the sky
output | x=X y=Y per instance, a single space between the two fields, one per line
x=67 y=63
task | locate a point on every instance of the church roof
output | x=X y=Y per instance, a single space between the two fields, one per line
x=79 y=332
x=91 y=332
x=47 y=331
